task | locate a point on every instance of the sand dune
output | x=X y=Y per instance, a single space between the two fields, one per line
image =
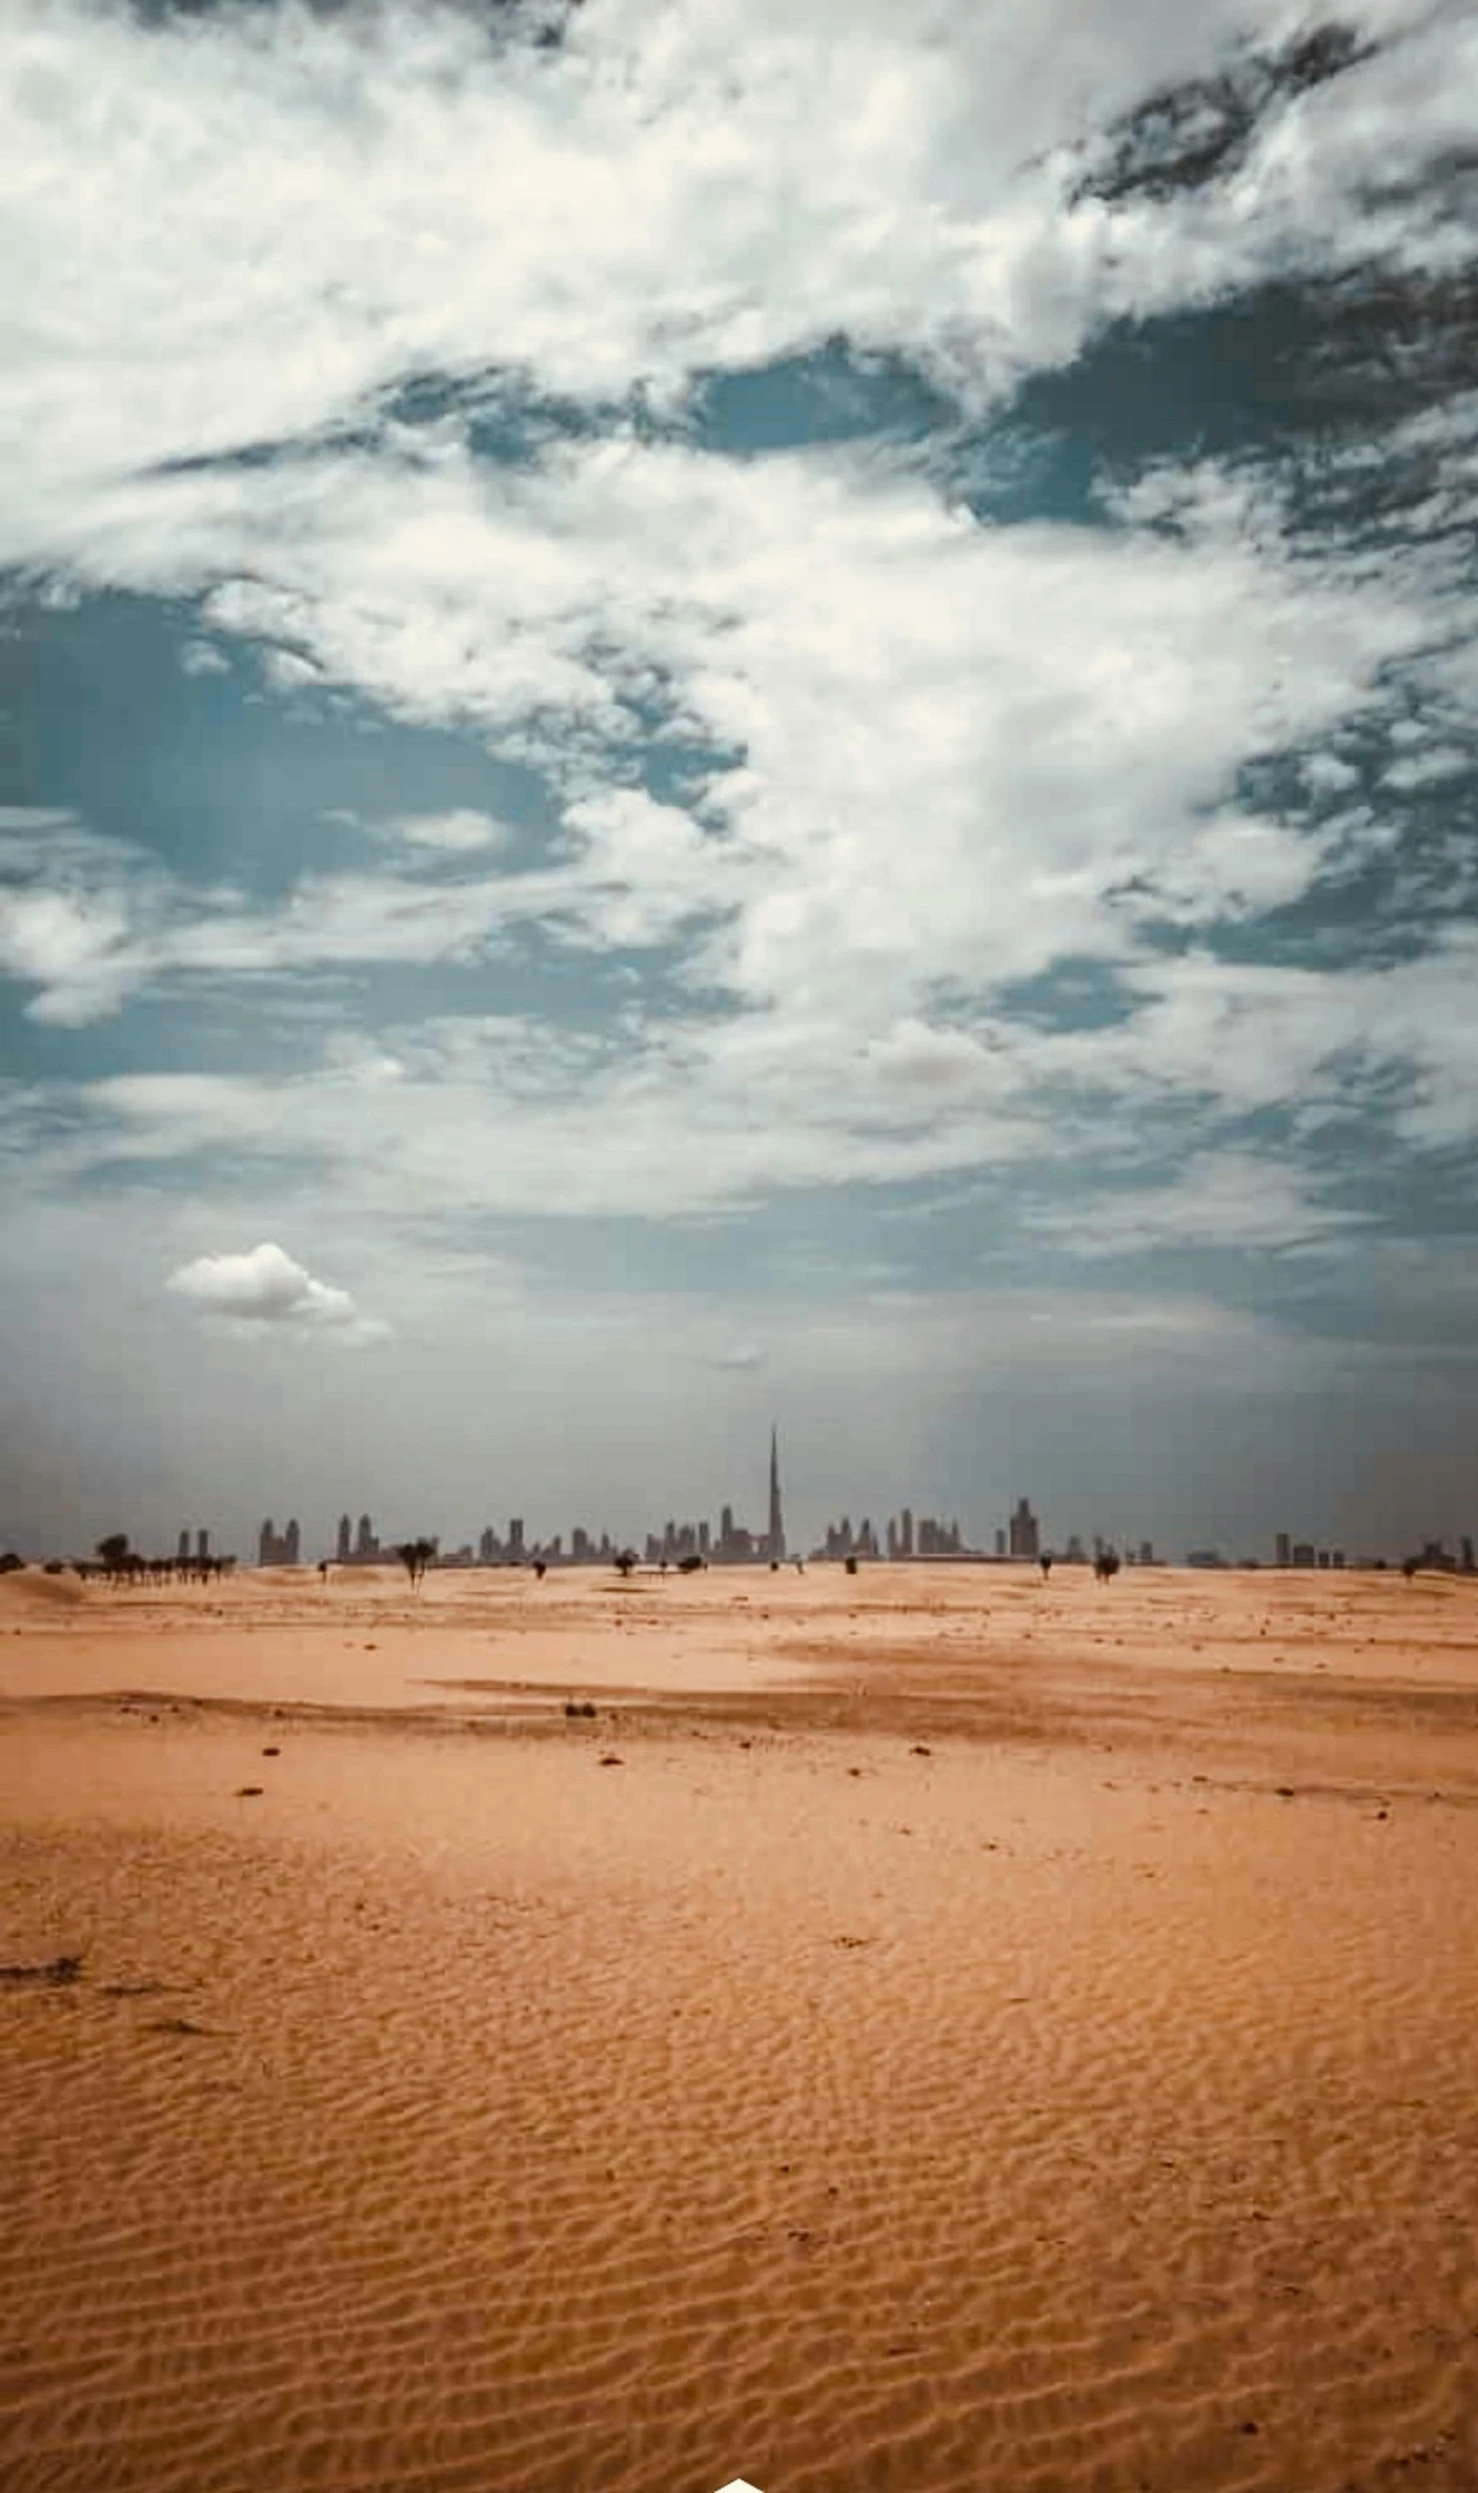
x=27 y=1591
x=994 y=2058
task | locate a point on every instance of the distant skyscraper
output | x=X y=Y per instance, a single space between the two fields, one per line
x=777 y=1519
x=202 y=1547
x=1285 y=1550
x=267 y=1545
x=1026 y=1536
x=183 y=1552
x=346 y=1542
x=292 y=1542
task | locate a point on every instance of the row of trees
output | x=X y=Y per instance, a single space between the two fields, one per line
x=119 y=1564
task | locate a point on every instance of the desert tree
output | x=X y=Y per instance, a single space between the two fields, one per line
x=416 y=1557
x=115 y=1554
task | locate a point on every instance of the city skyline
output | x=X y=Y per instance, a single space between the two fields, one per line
x=907 y=1537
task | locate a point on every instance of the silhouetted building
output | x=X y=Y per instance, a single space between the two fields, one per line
x=1304 y=1554
x=202 y=1548
x=775 y=1537
x=1025 y=1532
x=363 y=1550
x=1284 y=1547
x=1000 y=1540
x=182 y=1552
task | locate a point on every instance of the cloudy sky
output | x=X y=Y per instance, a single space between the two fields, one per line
x=712 y=712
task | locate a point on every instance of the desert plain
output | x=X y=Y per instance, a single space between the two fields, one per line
x=926 y=2032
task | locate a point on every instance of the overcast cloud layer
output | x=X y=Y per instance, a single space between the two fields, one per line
x=709 y=713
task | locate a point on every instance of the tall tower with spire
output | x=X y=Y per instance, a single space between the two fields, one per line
x=777 y=1519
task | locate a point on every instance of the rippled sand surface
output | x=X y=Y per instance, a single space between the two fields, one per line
x=925 y=2032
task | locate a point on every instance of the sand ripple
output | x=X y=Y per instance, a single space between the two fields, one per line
x=497 y=2122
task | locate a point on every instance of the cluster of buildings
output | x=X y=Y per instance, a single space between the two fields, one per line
x=734 y=1544
x=357 y=1549
x=1433 y=1556
x=1020 y=1537
x=903 y=1537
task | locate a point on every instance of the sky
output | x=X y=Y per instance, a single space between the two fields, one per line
x=714 y=714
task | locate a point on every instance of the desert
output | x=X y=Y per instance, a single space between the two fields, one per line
x=930 y=2030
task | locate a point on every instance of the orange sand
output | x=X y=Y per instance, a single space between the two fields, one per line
x=979 y=2036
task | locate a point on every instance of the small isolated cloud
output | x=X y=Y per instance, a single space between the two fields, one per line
x=265 y=1286
x=459 y=834
x=738 y=1355
x=203 y=658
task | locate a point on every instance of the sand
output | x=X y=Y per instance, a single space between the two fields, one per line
x=926 y=2031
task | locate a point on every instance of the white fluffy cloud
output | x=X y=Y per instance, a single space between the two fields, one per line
x=379 y=191
x=958 y=754
x=966 y=751
x=265 y=1287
